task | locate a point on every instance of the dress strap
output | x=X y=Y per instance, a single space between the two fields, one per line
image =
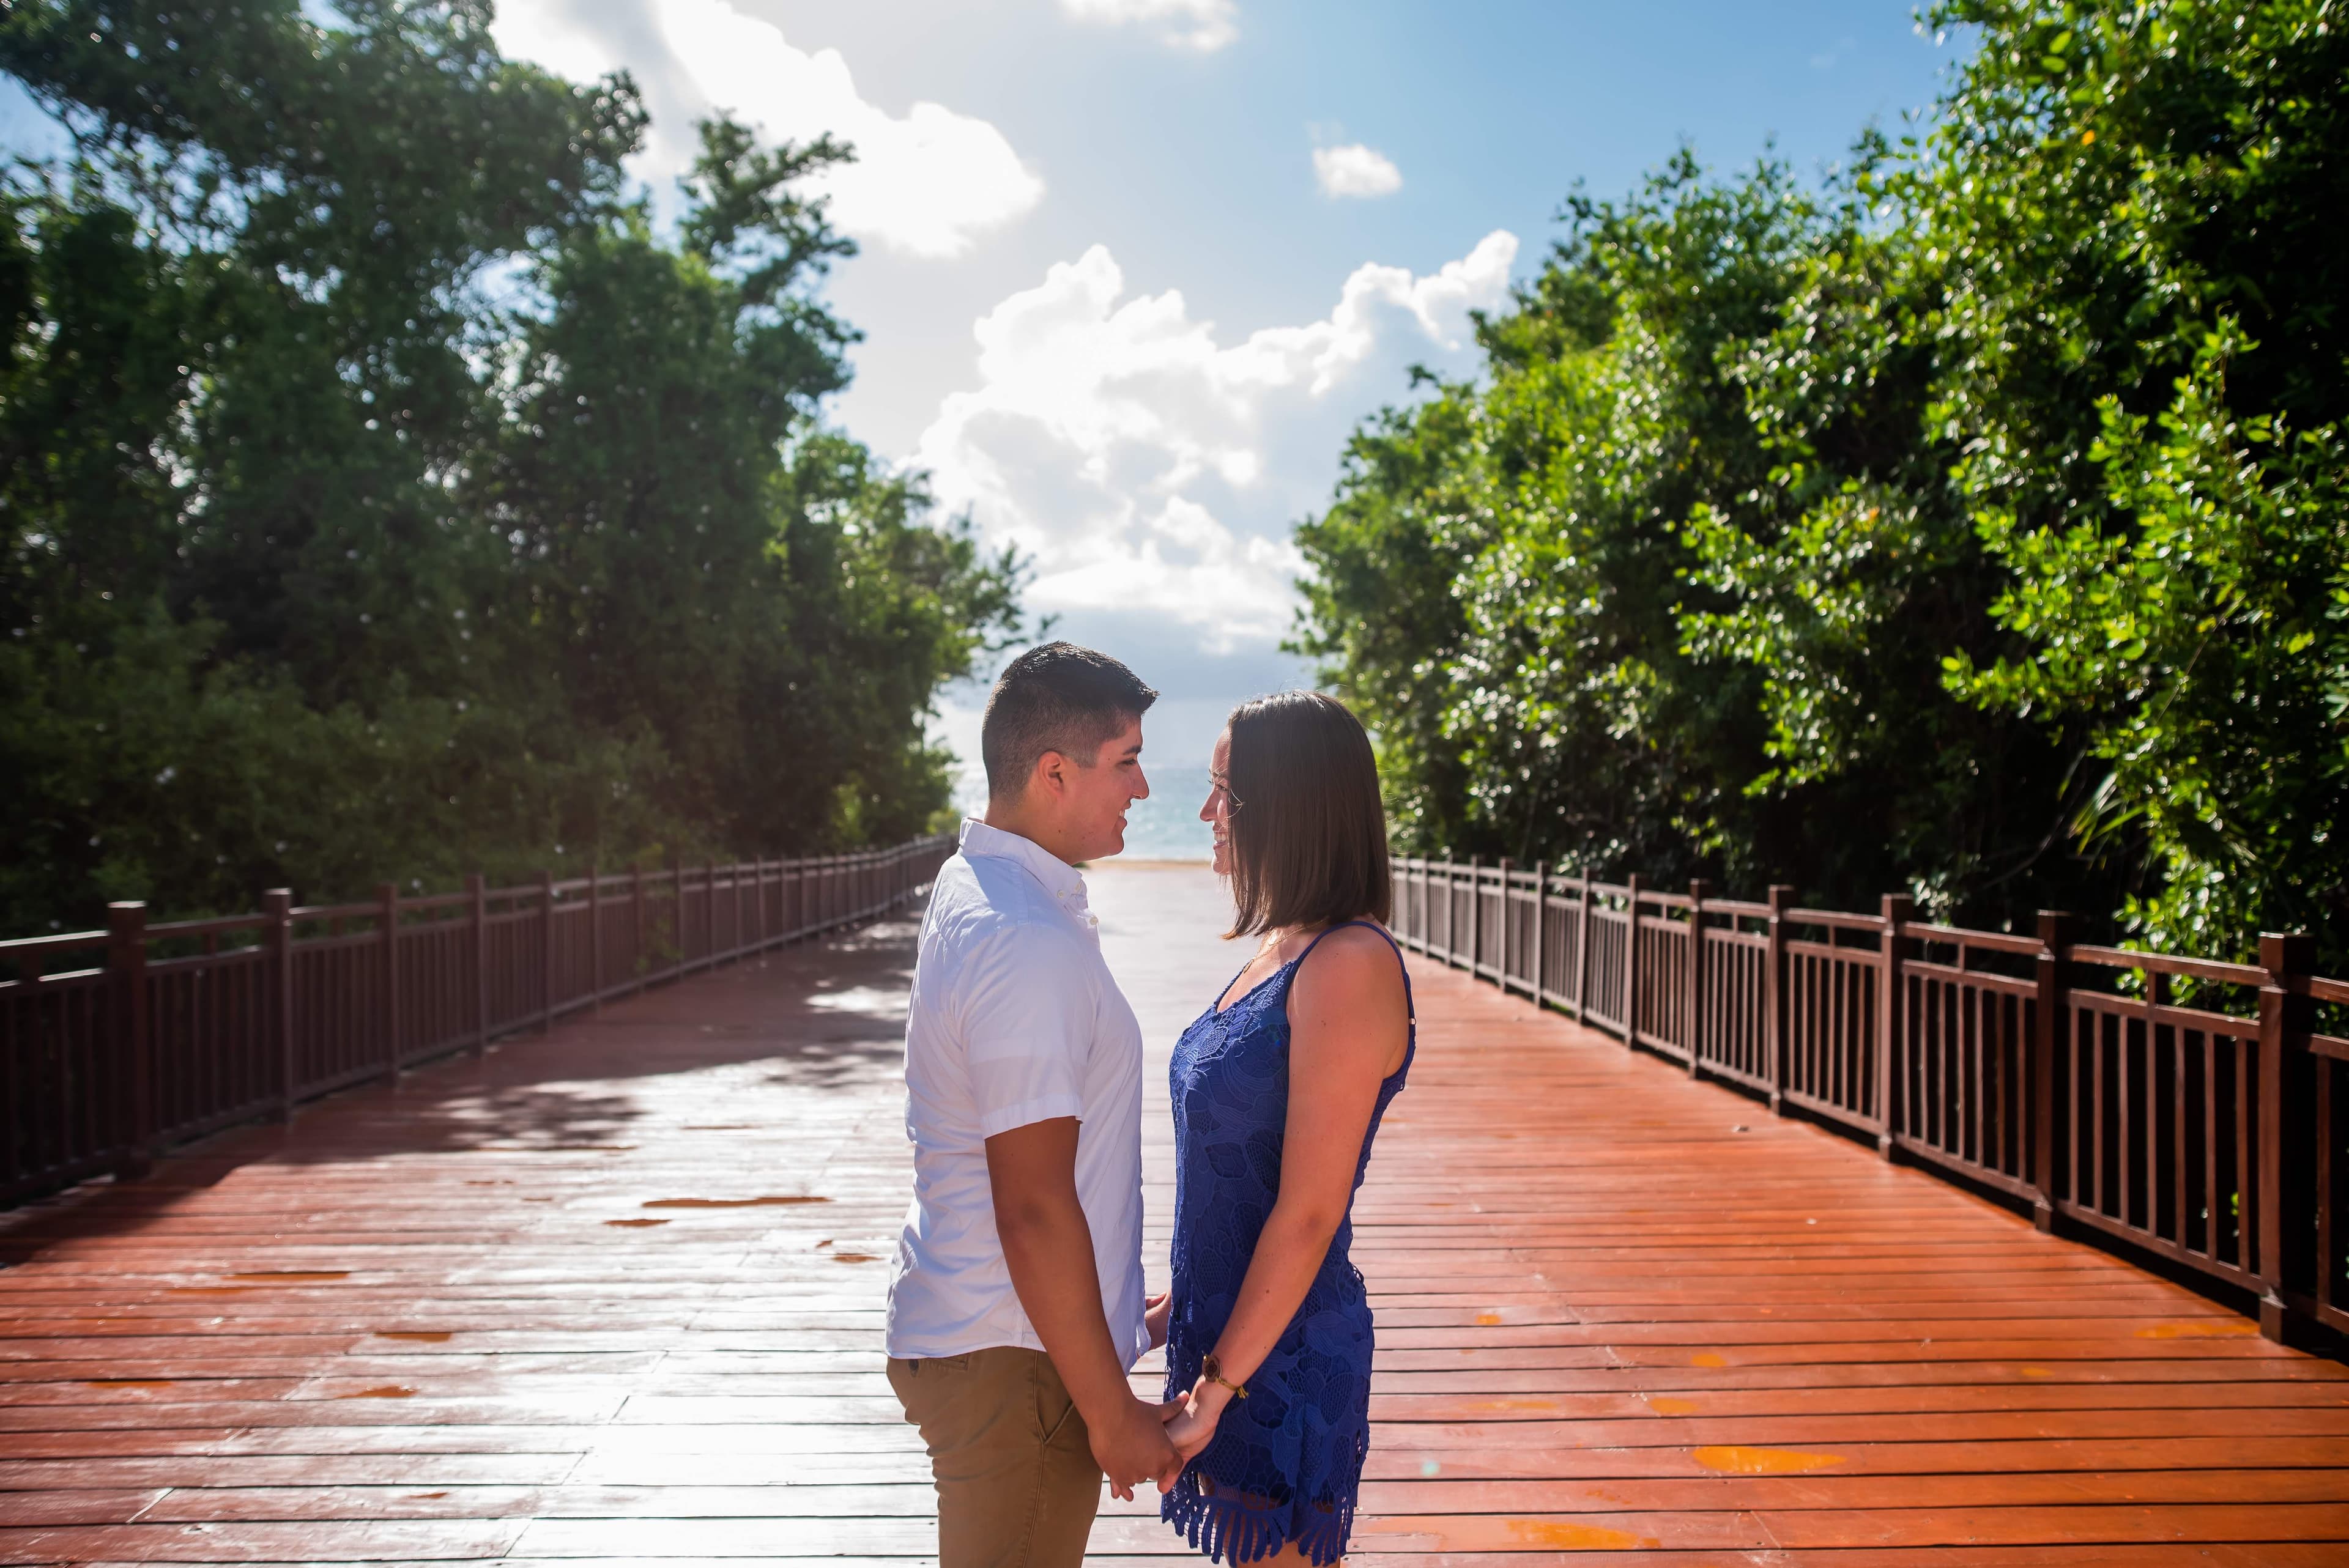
x=1410 y=1007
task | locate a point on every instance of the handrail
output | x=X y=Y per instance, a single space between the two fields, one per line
x=176 y=1037
x=2167 y=963
x=2204 y=1136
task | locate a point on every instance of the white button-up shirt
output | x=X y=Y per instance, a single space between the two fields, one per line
x=1014 y=1019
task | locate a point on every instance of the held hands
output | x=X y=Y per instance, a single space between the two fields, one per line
x=1190 y=1423
x=1131 y=1447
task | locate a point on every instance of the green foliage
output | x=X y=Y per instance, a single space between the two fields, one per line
x=2152 y=377
x=1973 y=525
x=2204 y=651
x=386 y=497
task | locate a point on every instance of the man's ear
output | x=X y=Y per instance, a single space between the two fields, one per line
x=1052 y=775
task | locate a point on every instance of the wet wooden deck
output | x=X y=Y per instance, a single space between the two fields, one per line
x=617 y=1294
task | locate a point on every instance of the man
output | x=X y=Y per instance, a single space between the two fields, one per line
x=1016 y=1306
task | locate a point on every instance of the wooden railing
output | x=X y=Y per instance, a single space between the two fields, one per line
x=2209 y=1127
x=184 y=1028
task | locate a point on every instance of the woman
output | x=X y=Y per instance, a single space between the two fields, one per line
x=1278 y=1090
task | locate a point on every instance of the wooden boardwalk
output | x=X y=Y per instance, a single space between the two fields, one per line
x=616 y=1293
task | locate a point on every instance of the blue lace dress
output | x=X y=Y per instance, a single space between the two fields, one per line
x=1299 y=1439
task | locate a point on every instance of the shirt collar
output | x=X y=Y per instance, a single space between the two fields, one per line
x=1060 y=878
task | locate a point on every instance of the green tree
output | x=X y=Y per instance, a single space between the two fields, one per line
x=703 y=560
x=1624 y=641
x=2135 y=204
x=386 y=497
x=1972 y=524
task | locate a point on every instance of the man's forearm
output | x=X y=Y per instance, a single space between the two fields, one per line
x=1049 y=1248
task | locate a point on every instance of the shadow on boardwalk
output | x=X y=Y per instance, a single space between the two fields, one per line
x=616 y=1293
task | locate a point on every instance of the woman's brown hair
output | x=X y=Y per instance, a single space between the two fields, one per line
x=1308 y=833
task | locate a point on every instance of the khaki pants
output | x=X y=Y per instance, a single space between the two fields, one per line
x=1013 y=1462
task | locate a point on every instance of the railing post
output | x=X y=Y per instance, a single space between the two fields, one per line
x=277 y=903
x=1695 y=1014
x=1583 y=951
x=1476 y=912
x=759 y=876
x=387 y=916
x=1541 y=932
x=742 y=942
x=1506 y=926
x=1894 y=912
x=1447 y=910
x=1631 y=965
x=126 y=965
x=477 y=910
x=640 y=957
x=2047 y=1005
x=548 y=962
x=595 y=937
x=1774 y=999
x=2284 y=1201
x=1400 y=866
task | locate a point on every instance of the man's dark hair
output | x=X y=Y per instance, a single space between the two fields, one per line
x=1056 y=698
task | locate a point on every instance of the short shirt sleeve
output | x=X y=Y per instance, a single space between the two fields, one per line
x=1027 y=1027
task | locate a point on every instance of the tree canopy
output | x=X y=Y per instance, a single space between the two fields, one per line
x=1970 y=523
x=386 y=493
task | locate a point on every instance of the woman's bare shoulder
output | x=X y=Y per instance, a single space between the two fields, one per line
x=1353 y=960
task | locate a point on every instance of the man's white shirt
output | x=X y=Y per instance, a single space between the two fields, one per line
x=1015 y=1019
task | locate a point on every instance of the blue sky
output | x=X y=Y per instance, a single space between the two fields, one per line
x=1131 y=269
x=1122 y=313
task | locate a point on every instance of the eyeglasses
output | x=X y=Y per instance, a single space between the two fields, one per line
x=1231 y=801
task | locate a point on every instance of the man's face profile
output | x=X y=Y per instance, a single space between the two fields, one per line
x=1096 y=798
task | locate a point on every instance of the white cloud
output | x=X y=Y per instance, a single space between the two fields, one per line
x=927 y=182
x=1355 y=170
x=1202 y=24
x=1154 y=473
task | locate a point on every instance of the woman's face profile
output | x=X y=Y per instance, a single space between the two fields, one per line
x=1217 y=812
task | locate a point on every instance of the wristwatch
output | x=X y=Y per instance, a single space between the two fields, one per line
x=1213 y=1371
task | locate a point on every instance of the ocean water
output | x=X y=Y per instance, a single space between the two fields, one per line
x=1166 y=827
